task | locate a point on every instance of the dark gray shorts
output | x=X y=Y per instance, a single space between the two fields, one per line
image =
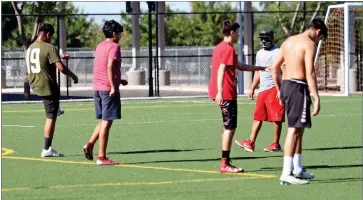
x=296 y=97
x=107 y=108
x=51 y=105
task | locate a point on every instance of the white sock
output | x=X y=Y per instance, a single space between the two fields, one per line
x=286 y=170
x=297 y=163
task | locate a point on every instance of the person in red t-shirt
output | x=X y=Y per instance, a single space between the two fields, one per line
x=223 y=90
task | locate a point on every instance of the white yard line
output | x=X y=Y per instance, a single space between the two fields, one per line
x=177 y=103
x=22 y=126
x=156 y=99
x=168 y=121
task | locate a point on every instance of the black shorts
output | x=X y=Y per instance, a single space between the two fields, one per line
x=229 y=114
x=107 y=108
x=51 y=105
x=296 y=97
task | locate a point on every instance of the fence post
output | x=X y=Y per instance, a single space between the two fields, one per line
x=151 y=90
x=240 y=51
x=58 y=44
x=67 y=80
x=360 y=64
x=248 y=42
x=156 y=66
x=252 y=41
x=63 y=41
x=156 y=74
x=3 y=78
x=177 y=65
x=163 y=74
x=198 y=65
x=136 y=75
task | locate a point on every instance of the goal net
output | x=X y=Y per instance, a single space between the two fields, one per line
x=339 y=58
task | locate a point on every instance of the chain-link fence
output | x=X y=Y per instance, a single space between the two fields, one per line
x=180 y=66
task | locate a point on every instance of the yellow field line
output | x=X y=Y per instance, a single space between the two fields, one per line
x=128 y=184
x=5 y=151
x=15 y=189
x=138 y=166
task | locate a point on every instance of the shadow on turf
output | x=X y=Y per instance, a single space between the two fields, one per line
x=311 y=167
x=334 y=148
x=148 y=151
x=157 y=151
x=201 y=160
x=338 y=180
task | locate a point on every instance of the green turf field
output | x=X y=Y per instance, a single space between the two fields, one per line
x=171 y=150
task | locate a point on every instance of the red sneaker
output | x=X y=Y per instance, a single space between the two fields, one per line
x=247 y=145
x=274 y=147
x=226 y=167
x=88 y=151
x=106 y=161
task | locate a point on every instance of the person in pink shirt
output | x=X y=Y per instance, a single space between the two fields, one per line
x=106 y=94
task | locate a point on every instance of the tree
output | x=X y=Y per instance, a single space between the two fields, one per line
x=179 y=29
x=78 y=34
x=80 y=31
x=207 y=26
x=290 y=30
x=38 y=7
x=126 y=22
x=185 y=29
x=294 y=22
x=97 y=36
x=285 y=23
x=8 y=27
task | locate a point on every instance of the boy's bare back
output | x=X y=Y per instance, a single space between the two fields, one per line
x=297 y=51
x=299 y=81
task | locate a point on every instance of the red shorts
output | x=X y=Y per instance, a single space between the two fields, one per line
x=268 y=107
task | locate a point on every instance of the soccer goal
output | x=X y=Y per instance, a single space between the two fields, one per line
x=338 y=61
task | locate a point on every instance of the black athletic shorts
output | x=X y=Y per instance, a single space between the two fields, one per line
x=51 y=105
x=296 y=97
x=107 y=108
x=229 y=114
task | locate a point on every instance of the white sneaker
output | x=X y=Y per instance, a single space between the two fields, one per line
x=304 y=175
x=51 y=153
x=60 y=111
x=291 y=180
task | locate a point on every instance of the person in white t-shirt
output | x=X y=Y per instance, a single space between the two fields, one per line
x=268 y=108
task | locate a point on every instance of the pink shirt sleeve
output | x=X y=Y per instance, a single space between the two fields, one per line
x=114 y=53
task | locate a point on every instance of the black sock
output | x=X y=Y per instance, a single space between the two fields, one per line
x=225 y=154
x=47 y=143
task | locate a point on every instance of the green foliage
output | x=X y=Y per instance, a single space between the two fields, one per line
x=208 y=25
x=9 y=27
x=185 y=29
x=126 y=21
x=272 y=20
x=180 y=29
x=78 y=33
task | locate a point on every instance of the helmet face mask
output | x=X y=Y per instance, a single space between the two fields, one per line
x=266 y=43
x=267 y=38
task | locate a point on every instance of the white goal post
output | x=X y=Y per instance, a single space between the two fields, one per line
x=337 y=70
